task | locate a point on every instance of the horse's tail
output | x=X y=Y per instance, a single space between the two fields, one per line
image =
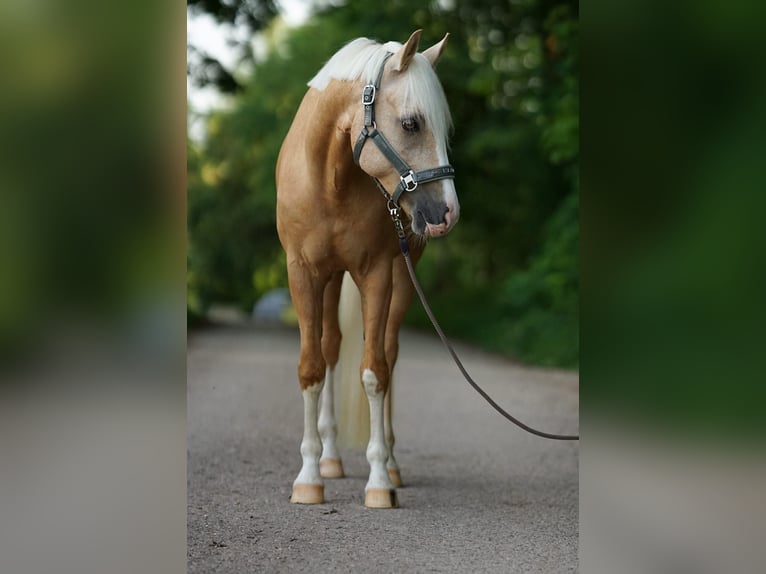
x=353 y=412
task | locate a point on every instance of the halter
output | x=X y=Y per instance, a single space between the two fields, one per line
x=408 y=179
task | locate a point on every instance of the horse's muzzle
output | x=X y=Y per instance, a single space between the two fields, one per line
x=434 y=219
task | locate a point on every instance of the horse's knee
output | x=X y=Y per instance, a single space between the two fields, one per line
x=311 y=370
x=375 y=379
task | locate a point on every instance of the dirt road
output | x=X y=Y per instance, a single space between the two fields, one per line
x=480 y=495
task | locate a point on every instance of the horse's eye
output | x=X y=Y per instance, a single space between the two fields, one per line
x=410 y=125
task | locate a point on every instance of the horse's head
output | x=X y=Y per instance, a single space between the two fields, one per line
x=411 y=112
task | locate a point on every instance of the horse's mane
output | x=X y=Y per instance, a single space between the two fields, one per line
x=361 y=59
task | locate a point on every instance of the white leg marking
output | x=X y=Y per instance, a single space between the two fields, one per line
x=328 y=430
x=377 y=453
x=311 y=447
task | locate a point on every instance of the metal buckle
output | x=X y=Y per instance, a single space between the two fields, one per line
x=408 y=181
x=368 y=95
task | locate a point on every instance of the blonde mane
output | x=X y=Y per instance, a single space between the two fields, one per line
x=423 y=94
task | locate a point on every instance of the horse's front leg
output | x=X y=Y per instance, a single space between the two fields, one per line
x=401 y=299
x=376 y=299
x=306 y=289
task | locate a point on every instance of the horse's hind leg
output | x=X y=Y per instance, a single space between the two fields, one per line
x=401 y=299
x=392 y=467
x=330 y=465
x=376 y=300
x=306 y=289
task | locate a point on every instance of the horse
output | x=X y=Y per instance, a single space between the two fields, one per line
x=336 y=198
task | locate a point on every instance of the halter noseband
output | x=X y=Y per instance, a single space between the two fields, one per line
x=408 y=179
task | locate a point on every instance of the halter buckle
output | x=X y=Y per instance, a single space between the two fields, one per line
x=408 y=181
x=395 y=212
x=368 y=95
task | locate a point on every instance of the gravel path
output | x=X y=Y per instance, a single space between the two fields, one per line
x=480 y=495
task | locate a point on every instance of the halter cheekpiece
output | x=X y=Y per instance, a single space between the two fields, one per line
x=408 y=178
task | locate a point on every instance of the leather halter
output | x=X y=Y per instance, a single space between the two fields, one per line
x=408 y=179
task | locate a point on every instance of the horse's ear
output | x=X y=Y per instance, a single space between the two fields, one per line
x=402 y=59
x=434 y=52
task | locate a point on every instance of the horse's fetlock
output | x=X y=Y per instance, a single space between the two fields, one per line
x=377 y=451
x=311 y=449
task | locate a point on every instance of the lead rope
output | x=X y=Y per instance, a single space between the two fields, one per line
x=393 y=211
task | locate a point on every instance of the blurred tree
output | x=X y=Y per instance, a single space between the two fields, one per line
x=249 y=16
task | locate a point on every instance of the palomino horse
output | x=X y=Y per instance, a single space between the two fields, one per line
x=332 y=219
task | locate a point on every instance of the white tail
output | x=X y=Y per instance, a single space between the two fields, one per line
x=352 y=408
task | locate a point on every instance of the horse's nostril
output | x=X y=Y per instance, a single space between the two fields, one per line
x=432 y=214
x=420 y=219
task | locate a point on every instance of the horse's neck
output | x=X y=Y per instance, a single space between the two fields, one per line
x=328 y=145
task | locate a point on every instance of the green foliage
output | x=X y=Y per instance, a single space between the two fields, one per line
x=506 y=277
x=540 y=304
